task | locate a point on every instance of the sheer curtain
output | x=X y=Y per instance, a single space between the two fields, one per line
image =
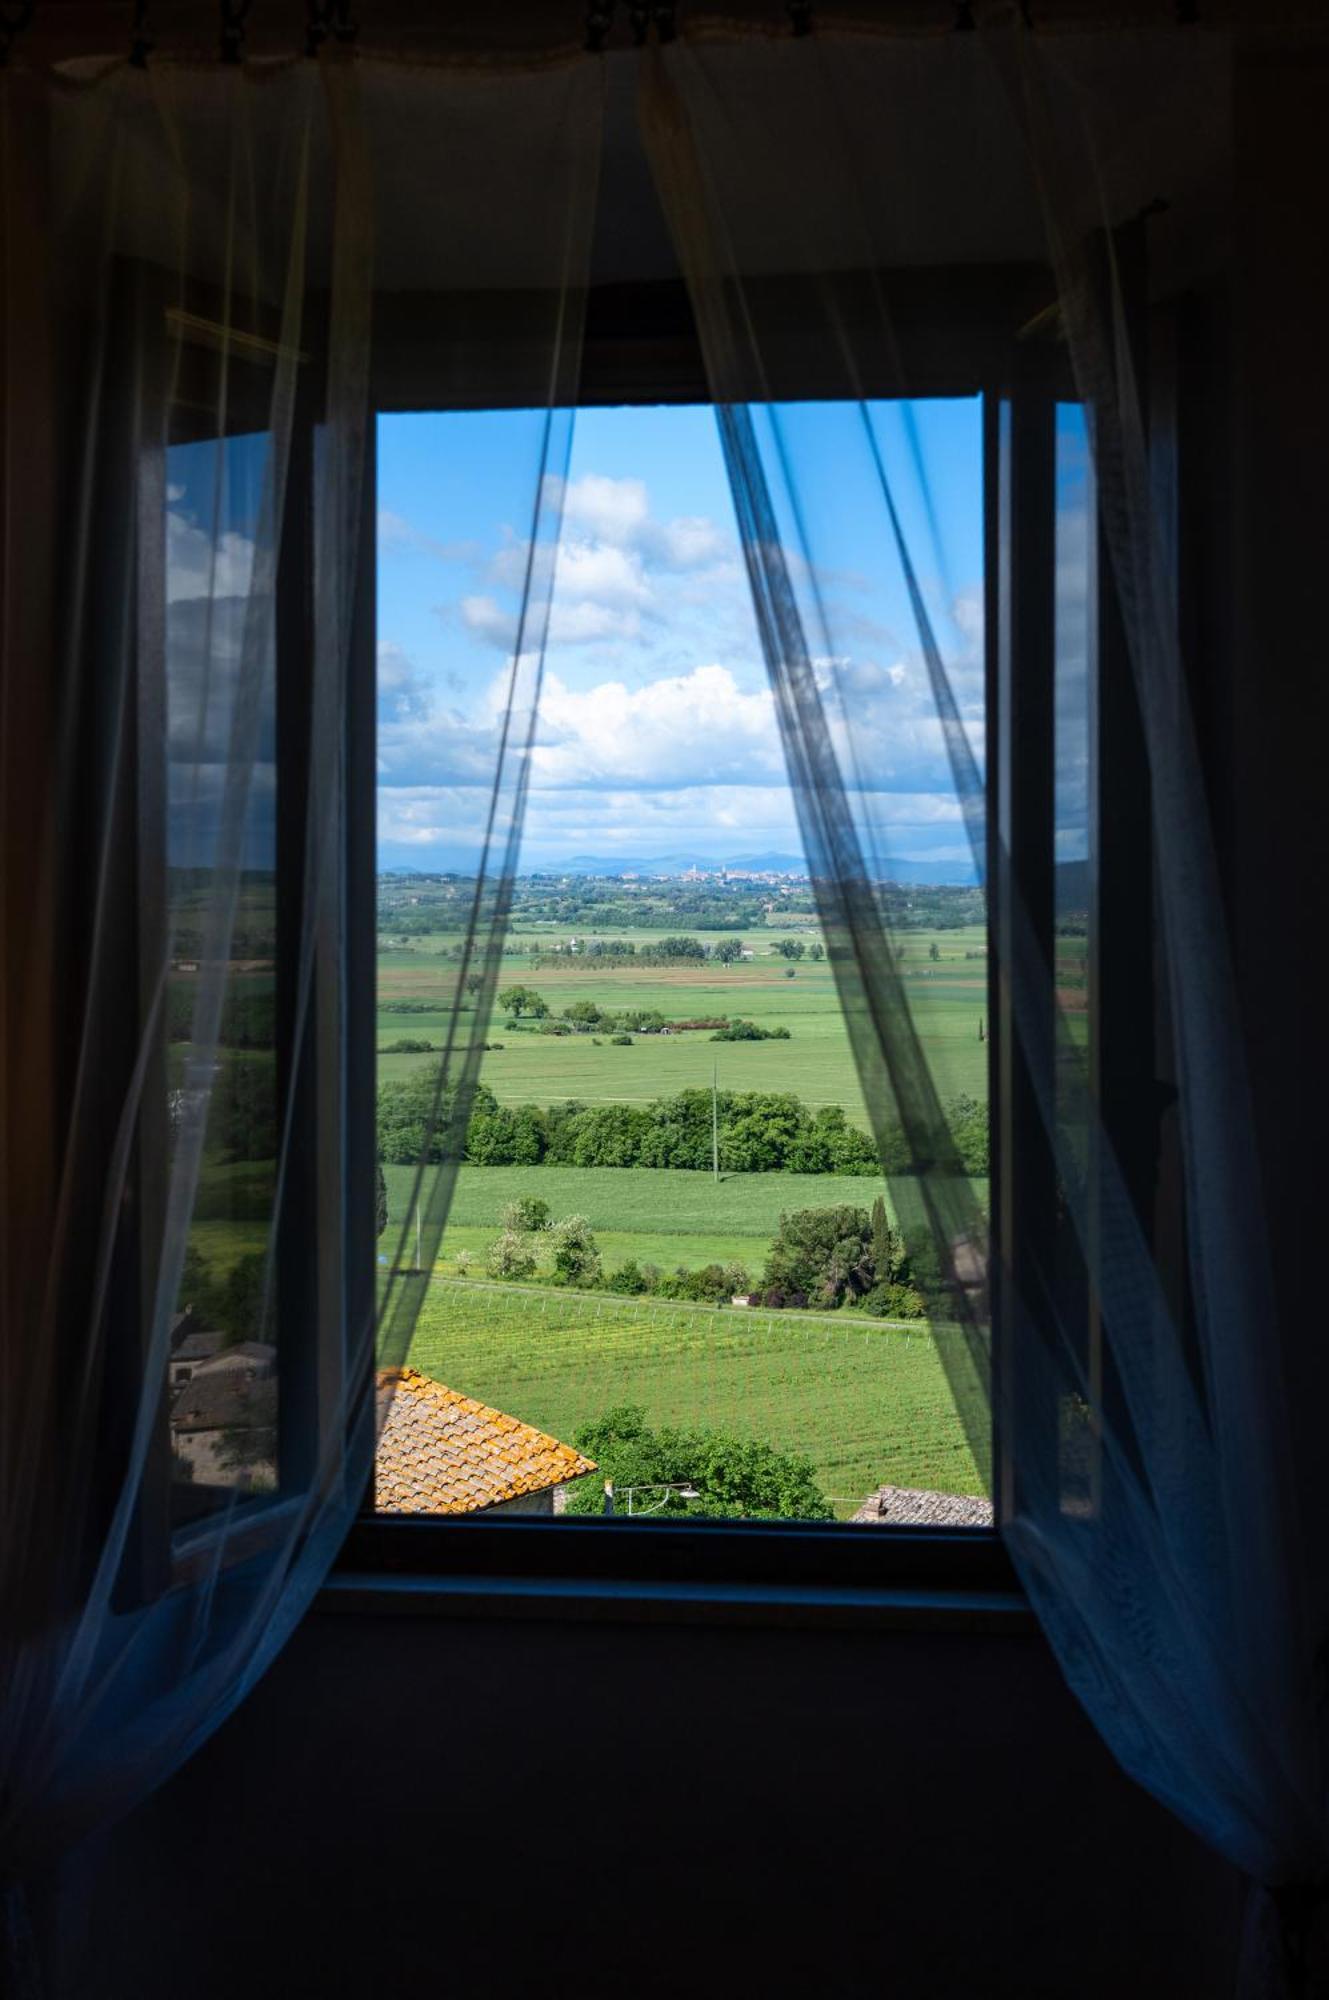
x=212 y=272
x=873 y=228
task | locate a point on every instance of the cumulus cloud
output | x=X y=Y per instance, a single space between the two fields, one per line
x=671 y=732
x=618 y=512
x=201 y=564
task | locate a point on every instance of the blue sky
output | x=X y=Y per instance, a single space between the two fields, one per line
x=657 y=733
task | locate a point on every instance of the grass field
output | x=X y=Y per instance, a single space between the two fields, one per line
x=869 y=1405
x=657 y=1215
x=949 y=998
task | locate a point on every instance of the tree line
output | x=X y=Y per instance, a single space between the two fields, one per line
x=756 y=1132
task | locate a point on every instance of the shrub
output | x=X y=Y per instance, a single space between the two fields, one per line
x=526 y=1213
x=628 y=1280
x=576 y=1255
x=408 y=1045
x=620 y=1041
x=463 y=1260
x=729 y=1475
x=510 y=1257
x=893 y=1301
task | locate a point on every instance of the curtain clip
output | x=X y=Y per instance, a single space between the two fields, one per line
x=140 y=41
x=641 y=19
x=317 y=24
x=599 y=20
x=15 y=16
x=233 y=14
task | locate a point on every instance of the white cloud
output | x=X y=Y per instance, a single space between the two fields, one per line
x=200 y=564
x=676 y=731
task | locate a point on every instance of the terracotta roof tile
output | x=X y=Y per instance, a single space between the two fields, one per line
x=442 y=1453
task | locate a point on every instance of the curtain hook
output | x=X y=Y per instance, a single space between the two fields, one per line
x=233 y=14
x=641 y=16
x=15 y=16
x=140 y=41
x=318 y=20
x=599 y=20
x=800 y=17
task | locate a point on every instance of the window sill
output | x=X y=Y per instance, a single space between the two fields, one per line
x=759 y=1574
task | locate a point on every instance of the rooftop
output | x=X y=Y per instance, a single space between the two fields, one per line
x=443 y=1453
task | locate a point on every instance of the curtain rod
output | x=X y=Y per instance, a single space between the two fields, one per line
x=40 y=32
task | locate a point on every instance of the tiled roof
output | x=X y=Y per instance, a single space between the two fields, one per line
x=441 y=1453
x=258 y=1357
x=222 y=1401
x=198 y=1346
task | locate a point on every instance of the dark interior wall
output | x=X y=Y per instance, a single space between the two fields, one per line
x=1270 y=795
x=419 y=1806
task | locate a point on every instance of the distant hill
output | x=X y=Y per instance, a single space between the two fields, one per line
x=959 y=873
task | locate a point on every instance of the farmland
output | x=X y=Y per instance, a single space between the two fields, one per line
x=948 y=994
x=868 y=1404
x=866 y=1401
x=657 y=1215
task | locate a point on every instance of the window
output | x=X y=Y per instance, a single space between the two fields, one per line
x=670 y=1249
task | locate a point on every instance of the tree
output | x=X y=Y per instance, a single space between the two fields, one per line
x=519 y=1000
x=934 y=951
x=504 y=1137
x=405 y=1111
x=823 y=1252
x=576 y=1255
x=510 y=1257
x=727 y=1475
x=611 y=1135
x=968 y=1120
x=816 y=951
x=888 y=1255
x=726 y=950
x=582 y=1014
x=790 y=947
x=527 y=1213
x=238 y=1308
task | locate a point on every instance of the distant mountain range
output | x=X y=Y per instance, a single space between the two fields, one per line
x=771 y=863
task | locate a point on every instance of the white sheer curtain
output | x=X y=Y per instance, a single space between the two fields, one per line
x=890 y=224
x=212 y=275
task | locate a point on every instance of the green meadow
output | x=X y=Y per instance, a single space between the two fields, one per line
x=948 y=996
x=658 y=1216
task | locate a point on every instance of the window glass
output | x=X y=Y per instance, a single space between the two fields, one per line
x=669 y=1282
x=222 y=1056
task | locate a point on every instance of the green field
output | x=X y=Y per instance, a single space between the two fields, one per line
x=949 y=998
x=658 y=1216
x=869 y=1405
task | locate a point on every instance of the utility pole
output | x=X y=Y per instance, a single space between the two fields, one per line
x=715 y=1120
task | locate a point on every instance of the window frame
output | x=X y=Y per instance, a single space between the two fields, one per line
x=958 y=336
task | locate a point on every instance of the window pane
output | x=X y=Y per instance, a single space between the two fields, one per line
x=222 y=1058
x=670 y=1254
